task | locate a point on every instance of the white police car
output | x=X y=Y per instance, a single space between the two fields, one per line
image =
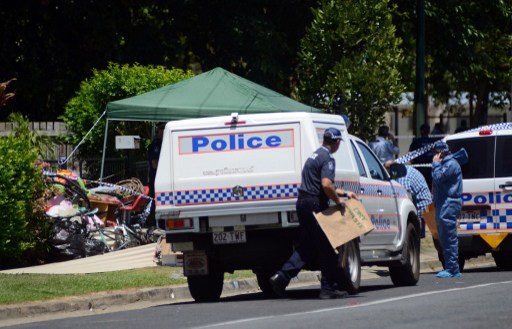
x=226 y=188
x=485 y=222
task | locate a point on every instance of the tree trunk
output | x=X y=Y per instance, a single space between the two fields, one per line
x=471 y=111
x=482 y=103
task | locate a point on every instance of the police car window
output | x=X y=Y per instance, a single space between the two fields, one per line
x=504 y=156
x=359 y=161
x=481 y=156
x=376 y=169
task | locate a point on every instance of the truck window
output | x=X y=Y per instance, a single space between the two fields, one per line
x=359 y=161
x=504 y=156
x=481 y=156
x=376 y=169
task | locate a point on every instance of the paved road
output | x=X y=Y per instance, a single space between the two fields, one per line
x=142 y=256
x=452 y=303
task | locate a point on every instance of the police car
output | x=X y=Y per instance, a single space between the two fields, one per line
x=485 y=222
x=226 y=188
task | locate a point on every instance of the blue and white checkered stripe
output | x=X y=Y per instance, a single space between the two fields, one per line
x=499 y=219
x=353 y=186
x=416 y=153
x=262 y=193
x=372 y=189
x=218 y=195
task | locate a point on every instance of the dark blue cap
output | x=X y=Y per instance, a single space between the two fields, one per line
x=441 y=146
x=332 y=133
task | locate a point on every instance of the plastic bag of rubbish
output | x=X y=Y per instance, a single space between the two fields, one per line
x=93 y=247
x=75 y=248
x=64 y=230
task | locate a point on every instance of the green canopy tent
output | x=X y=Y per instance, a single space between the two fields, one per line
x=213 y=93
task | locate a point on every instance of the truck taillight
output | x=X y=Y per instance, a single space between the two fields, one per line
x=485 y=131
x=178 y=224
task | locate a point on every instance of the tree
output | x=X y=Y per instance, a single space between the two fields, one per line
x=348 y=62
x=116 y=82
x=471 y=51
x=51 y=46
x=24 y=227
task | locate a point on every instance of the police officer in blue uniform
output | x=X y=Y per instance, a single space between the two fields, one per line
x=316 y=189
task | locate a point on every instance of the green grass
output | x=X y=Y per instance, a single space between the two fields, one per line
x=21 y=288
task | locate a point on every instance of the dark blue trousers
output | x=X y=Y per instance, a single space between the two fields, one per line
x=313 y=246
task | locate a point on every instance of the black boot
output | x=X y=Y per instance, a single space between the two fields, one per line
x=278 y=284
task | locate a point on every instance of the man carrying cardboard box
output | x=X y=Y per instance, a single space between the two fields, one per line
x=316 y=189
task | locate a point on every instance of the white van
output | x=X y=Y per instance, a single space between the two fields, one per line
x=226 y=189
x=485 y=222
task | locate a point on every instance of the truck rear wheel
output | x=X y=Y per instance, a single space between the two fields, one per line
x=206 y=288
x=408 y=274
x=503 y=259
x=350 y=265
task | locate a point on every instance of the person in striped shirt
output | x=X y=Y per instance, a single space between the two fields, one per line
x=417 y=186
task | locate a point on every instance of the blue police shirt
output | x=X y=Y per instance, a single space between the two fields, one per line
x=319 y=165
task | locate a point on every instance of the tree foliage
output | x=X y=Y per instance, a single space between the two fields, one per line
x=349 y=62
x=51 y=46
x=471 y=49
x=24 y=227
x=468 y=51
x=116 y=82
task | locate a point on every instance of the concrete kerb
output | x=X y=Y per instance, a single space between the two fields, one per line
x=169 y=294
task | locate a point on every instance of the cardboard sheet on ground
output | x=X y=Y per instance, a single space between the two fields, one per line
x=339 y=228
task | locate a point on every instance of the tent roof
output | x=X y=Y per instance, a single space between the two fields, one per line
x=213 y=93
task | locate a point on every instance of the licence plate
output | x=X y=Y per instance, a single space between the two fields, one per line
x=470 y=217
x=229 y=237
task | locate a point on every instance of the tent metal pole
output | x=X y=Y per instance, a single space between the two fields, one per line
x=104 y=151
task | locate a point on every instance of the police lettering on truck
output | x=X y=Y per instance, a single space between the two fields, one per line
x=235 y=142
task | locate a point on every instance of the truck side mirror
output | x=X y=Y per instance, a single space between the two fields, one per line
x=397 y=170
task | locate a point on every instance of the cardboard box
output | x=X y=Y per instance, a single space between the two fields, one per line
x=430 y=219
x=106 y=210
x=341 y=228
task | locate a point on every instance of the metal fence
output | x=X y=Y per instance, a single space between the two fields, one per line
x=115 y=169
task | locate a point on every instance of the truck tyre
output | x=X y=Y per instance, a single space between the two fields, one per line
x=350 y=265
x=503 y=260
x=408 y=273
x=206 y=288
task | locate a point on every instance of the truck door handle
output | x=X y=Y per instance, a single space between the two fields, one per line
x=379 y=192
x=504 y=186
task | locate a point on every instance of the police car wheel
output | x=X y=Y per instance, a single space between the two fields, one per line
x=206 y=288
x=408 y=273
x=350 y=265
